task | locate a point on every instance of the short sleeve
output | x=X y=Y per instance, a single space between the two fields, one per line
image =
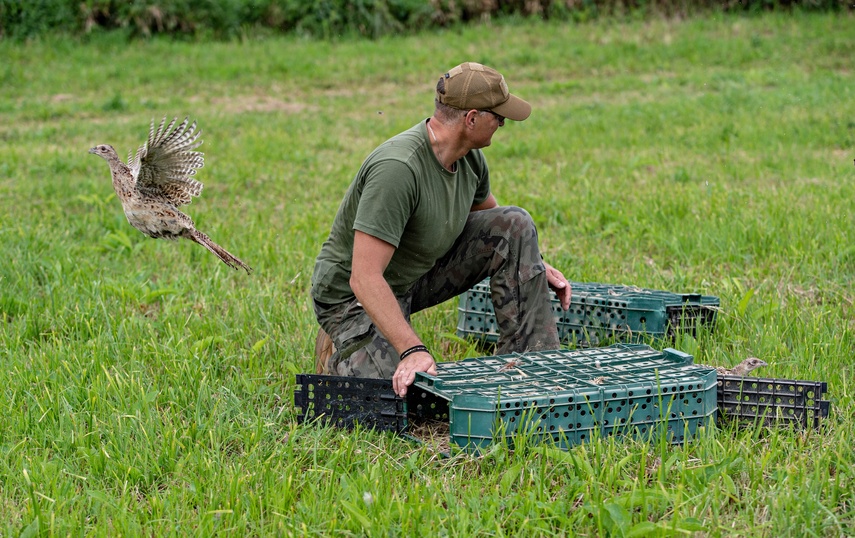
x=387 y=201
x=483 y=189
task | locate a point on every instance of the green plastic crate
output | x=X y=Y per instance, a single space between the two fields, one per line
x=599 y=312
x=568 y=397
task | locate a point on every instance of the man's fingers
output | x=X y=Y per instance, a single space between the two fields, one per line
x=407 y=368
x=405 y=380
x=565 y=297
x=559 y=284
x=401 y=380
x=558 y=279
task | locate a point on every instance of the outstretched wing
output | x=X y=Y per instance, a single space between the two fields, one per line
x=165 y=164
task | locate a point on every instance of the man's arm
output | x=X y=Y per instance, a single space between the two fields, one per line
x=489 y=203
x=371 y=256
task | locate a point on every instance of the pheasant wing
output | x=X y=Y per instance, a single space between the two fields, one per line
x=165 y=164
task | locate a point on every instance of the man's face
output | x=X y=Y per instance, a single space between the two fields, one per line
x=485 y=123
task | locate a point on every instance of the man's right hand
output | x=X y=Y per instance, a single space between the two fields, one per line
x=405 y=374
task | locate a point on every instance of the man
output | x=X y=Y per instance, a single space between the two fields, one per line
x=419 y=226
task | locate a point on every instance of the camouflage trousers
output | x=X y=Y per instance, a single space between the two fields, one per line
x=500 y=243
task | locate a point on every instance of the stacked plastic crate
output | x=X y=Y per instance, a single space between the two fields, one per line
x=599 y=312
x=569 y=396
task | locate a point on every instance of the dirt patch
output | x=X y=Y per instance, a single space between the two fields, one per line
x=260 y=103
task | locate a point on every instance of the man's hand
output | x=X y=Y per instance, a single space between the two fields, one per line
x=405 y=374
x=559 y=284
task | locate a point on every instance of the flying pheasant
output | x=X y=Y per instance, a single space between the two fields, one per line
x=158 y=180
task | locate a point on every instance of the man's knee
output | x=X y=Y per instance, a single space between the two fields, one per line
x=507 y=220
x=519 y=219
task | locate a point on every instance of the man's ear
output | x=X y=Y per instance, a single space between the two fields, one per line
x=470 y=118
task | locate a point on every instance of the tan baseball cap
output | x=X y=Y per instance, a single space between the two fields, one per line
x=471 y=85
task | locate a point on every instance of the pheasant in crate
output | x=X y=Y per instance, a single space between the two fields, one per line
x=742 y=369
x=158 y=180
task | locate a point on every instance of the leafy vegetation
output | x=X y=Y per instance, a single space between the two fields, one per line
x=147 y=389
x=334 y=18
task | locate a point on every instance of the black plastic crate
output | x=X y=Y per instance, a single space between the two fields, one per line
x=346 y=401
x=772 y=401
x=599 y=312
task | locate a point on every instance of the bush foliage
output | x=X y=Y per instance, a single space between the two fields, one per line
x=329 y=18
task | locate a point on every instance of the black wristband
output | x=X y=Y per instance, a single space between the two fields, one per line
x=414 y=349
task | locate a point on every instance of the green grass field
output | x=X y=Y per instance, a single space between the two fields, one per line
x=147 y=389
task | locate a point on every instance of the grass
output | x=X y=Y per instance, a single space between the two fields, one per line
x=147 y=388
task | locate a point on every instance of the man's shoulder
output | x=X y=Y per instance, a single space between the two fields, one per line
x=396 y=158
x=403 y=146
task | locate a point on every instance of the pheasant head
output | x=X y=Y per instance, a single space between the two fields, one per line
x=749 y=364
x=104 y=150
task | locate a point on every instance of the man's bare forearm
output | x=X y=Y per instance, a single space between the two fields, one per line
x=376 y=297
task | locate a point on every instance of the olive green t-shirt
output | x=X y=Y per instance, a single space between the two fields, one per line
x=404 y=196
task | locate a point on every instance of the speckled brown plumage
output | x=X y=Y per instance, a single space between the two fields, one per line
x=157 y=180
x=741 y=369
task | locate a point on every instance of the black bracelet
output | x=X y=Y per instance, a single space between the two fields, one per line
x=414 y=349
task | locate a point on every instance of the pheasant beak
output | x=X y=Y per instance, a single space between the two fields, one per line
x=93 y=150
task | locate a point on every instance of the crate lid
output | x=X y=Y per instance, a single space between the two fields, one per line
x=620 y=369
x=620 y=295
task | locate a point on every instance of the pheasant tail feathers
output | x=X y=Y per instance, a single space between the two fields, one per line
x=227 y=257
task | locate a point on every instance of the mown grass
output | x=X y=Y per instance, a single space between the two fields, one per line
x=147 y=389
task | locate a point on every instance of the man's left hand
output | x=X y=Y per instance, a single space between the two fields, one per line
x=559 y=284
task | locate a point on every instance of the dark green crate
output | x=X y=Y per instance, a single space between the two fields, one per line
x=568 y=397
x=599 y=312
x=347 y=401
x=772 y=401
